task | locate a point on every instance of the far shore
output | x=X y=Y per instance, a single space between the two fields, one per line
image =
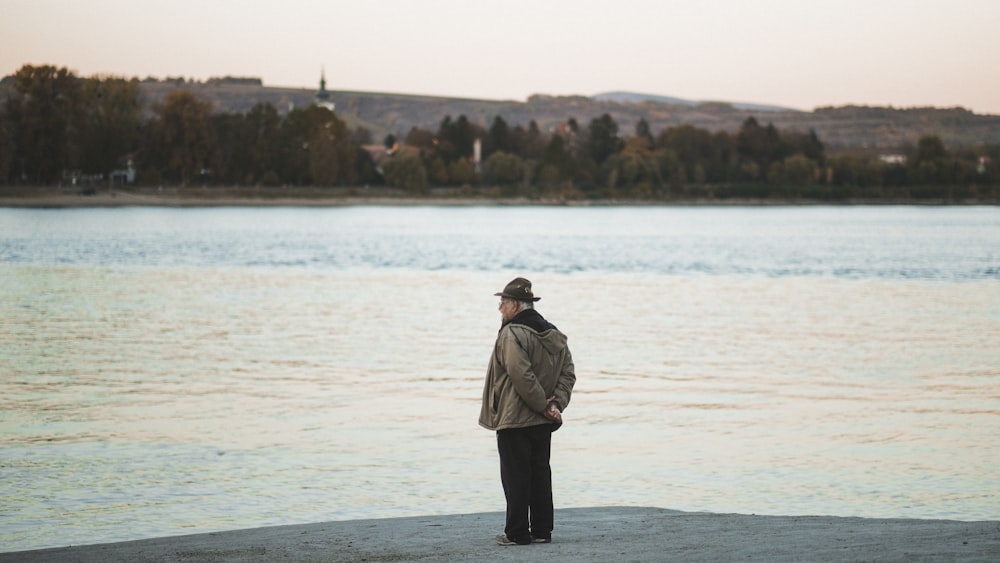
x=581 y=534
x=55 y=198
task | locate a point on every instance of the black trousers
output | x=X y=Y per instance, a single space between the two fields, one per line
x=527 y=481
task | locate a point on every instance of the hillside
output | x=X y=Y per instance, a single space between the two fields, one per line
x=881 y=128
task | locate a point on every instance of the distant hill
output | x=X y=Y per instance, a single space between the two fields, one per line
x=633 y=98
x=873 y=128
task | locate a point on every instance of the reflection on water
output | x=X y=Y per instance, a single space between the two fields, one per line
x=139 y=402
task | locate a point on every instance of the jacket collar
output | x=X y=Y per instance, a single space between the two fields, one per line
x=531 y=319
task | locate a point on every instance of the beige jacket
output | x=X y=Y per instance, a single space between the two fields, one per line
x=526 y=368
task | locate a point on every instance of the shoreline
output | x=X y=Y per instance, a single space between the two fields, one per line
x=113 y=198
x=581 y=534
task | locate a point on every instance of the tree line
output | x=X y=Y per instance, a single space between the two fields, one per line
x=58 y=128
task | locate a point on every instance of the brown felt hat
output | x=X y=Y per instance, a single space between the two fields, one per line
x=518 y=289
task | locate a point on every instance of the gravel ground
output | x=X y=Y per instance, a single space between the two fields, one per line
x=581 y=534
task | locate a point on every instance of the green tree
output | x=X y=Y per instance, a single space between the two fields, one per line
x=602 y=139
x=796 y=171
x=456 y=138
x=636 y=170
x=461 y=172
x=930 y=164
x=503 y=169
x=324 y=161
x=557 y=162
x=317 y=148
x=527 y=143
x=293 y=147
x=364 y=168
x=697 y=155
x=643 y=131
x=758 y=148
x=405 y=170
x=806 y=144
x=437 y=170
x=497 y=138
x=855 y=171
x=338 y=153
x=669 y=167
x=930 y=148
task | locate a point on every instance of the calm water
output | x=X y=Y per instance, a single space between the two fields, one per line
x=167 y=371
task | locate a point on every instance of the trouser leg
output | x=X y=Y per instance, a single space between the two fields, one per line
x=541 y=482
x=515 y=474
x=527 y=481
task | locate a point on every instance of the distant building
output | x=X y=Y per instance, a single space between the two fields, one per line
x=897 y=159
x=123 y=176
x=984 y=161
x=322 y=95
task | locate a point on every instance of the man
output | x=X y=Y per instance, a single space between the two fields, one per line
x=528 y=384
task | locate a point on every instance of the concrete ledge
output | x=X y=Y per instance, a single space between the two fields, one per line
x=582 y=534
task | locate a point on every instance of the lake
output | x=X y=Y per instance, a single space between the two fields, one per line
x=171 y=371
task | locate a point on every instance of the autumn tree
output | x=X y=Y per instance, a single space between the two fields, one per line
x=6 y=145
x=44 y=123
x=183 y=139
x=110 y=123
x=421 y=139
x=263 y=124
x=233 y=161
x=249 y=145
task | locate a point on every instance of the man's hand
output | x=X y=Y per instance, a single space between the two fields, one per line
x=552 y=411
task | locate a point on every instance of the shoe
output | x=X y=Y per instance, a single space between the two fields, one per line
x=505 y=541
x=540 y=540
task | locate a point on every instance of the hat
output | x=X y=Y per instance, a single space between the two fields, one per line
x=518 y=289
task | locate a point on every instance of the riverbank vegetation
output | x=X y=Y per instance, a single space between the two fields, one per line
x=58 y=129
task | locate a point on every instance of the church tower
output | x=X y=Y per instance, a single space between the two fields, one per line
x=322 y=95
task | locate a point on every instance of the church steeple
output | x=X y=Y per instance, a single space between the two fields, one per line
x=322 y=95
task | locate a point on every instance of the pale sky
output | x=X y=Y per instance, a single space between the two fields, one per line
x=795 y=53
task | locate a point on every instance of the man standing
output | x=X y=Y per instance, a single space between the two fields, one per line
x=528 y=384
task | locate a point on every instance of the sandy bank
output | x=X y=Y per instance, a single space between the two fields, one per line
x=248 y=198
x=125 y=199
x=582 y=534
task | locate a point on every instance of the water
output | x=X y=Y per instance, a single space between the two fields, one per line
x=170 y=371
x=944 y=243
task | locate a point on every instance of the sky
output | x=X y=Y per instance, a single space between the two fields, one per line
x=800 y=54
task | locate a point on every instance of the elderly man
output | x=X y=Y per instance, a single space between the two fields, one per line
x=528 y=384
